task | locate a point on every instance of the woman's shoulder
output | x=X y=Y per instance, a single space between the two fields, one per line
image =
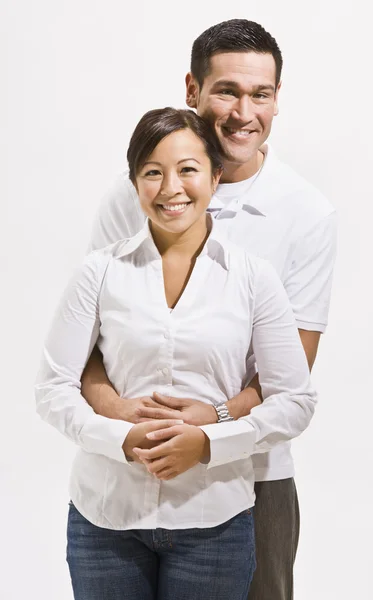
x=119 y=249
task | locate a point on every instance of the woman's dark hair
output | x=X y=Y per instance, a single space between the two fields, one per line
x=156 y=124
x=236 y=35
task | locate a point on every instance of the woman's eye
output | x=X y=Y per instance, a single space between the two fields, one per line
x=152 y=173
x=188 y=170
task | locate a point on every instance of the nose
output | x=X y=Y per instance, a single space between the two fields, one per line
x=244 y=110
x=171 y=185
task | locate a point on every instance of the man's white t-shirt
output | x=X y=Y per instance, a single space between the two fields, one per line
x=277 y=215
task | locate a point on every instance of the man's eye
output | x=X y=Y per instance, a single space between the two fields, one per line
x=261 y=96
x=227 y=92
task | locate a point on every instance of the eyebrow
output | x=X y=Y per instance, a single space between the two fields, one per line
x=233 y=84
x=154 y=162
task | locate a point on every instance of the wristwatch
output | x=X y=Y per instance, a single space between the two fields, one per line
x=223 y=413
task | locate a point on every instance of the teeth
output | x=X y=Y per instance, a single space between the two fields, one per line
x=174 y=207
x=241 y=132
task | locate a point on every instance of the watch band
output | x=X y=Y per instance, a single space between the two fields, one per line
x=223 y=413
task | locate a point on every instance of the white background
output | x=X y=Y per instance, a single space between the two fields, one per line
x=75 y=77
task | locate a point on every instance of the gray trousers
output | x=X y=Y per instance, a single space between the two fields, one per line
x=276 y=517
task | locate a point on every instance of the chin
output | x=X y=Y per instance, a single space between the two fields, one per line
x=175 y=227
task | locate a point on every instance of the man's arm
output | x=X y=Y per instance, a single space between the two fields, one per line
x=194 y=412
x=310 y=341
x=99 y=393
x=97 y=389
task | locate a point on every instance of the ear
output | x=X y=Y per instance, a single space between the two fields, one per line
x=192 y=91
x=277 y=110
x=215 y=179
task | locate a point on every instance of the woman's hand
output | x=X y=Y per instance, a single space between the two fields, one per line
x=138 y=436
x=185 y=446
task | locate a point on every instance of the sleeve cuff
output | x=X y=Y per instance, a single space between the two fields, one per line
x=105 y=436
x=308 y=326
x=230 y=441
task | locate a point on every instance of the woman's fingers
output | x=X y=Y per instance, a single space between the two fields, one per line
x=163 y=425
x=166 y=474
x=164 y=434
x=157 y=465
x=156 y=452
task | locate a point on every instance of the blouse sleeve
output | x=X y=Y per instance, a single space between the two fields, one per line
x=74 y=331
x=288 y=397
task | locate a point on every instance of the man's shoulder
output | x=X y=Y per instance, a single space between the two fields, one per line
x=119 y=215
x=295 y=192
x=238 y=256
x=121 y=190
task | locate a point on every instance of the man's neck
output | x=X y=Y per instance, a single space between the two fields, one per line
x=235 y=172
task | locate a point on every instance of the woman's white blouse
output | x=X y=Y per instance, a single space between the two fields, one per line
x=232 y=302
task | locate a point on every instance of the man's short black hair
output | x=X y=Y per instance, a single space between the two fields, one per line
x=236 y=35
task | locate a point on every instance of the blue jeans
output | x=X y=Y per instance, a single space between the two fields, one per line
x=215 y=563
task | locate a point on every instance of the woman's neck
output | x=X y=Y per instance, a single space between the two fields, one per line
x=187 y=244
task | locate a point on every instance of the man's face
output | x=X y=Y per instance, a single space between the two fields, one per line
x=239 y=99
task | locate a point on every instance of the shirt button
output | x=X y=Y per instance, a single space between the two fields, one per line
x=165 y=371
x=166 y=335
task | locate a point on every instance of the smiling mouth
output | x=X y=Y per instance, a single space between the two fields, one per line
x=240 y=133
x=174 y=208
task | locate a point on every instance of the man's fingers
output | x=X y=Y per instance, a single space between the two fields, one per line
x=168 y=401
x=159 y=413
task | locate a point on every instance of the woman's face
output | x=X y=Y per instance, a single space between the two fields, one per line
x=175 y=184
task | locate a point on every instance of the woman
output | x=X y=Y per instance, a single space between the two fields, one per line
x=162 y=509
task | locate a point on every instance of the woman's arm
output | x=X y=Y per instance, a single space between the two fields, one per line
x=72 y=336
x=288 y=398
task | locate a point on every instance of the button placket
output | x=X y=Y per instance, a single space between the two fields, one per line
x=166 y=353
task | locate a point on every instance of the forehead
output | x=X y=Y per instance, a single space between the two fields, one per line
x=177 y=146
x=242 y=67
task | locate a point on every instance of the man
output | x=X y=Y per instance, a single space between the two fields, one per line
x=264 y=205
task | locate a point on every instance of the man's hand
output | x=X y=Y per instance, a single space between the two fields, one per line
x=137 y=436
x=130 y=409
x=192 y=412
x=187 y=447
